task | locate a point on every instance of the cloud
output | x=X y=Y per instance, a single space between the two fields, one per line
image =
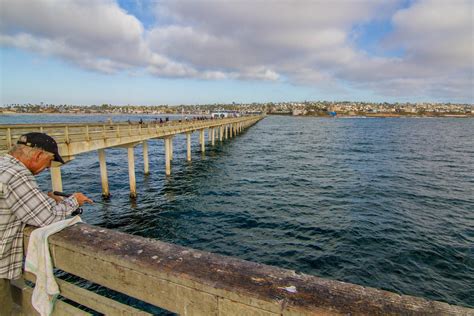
x=312 y=43
x=437 y=39
x=234 y=35
x=78 y=30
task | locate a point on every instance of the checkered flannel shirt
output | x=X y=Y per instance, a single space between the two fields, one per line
x=21 y=203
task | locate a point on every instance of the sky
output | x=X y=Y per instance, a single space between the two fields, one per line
x=222 y=51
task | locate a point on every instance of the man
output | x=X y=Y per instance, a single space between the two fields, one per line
x=22 y=202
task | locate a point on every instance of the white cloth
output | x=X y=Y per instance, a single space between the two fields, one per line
x=38 y=261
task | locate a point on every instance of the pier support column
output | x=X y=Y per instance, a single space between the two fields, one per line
x=231 y=130
x=203 y=141
x=146 y=167
x=171 y=148
x=131 y=171
x=213 y=136
x=188 y=146
x=221 y=133
x=209 y=134
x=103 y=173
x=56 y=181
x=226 y=132
x=168 y=156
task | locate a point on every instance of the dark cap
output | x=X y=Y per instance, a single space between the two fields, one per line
x=42 y=141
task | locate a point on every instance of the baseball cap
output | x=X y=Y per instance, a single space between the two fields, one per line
x=42 y=141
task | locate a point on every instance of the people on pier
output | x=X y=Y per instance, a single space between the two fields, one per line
x=22 y=202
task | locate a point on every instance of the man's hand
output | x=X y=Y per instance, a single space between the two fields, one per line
x=81 y=198
x=58 y=199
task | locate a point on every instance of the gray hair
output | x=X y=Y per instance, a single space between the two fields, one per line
x=24 y=151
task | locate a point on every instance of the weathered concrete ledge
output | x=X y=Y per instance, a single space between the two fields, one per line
x=193 y=282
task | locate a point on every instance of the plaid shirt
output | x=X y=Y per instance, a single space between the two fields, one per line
x=21 y=203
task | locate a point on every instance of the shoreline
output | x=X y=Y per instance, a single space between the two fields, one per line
x=361 y=115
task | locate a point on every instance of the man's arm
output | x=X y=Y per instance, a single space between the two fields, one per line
x=32 y=206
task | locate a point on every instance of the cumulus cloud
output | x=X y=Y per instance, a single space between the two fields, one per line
x=305 y=42
x=234 y=35
x=80 y=31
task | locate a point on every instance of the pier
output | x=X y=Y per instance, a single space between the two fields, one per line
x=75 y=139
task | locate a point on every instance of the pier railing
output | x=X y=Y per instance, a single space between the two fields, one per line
x=192 y=282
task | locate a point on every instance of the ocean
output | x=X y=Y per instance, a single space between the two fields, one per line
x=381 y=202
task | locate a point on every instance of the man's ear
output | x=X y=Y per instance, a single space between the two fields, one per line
x=37 y=154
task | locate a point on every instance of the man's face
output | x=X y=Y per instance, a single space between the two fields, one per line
x=39 y=161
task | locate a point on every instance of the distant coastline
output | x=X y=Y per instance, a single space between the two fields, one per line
x=306 y=108
x=379 y=115
x=318 y=114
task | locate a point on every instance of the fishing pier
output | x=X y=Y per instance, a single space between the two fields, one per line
x=179 y=279
x=75 y=139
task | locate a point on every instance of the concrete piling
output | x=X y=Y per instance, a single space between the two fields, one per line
x=188 y=146
x=103 y=173
x=131 y=171
x=168 y=156
x=171 y=148
x=146 y=168
x=56 y=181
x=203 y=141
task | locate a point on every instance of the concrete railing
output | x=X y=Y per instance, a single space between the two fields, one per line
x=192 y=282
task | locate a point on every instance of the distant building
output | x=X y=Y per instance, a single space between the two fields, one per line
x=225 y=113
x=299 y=112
